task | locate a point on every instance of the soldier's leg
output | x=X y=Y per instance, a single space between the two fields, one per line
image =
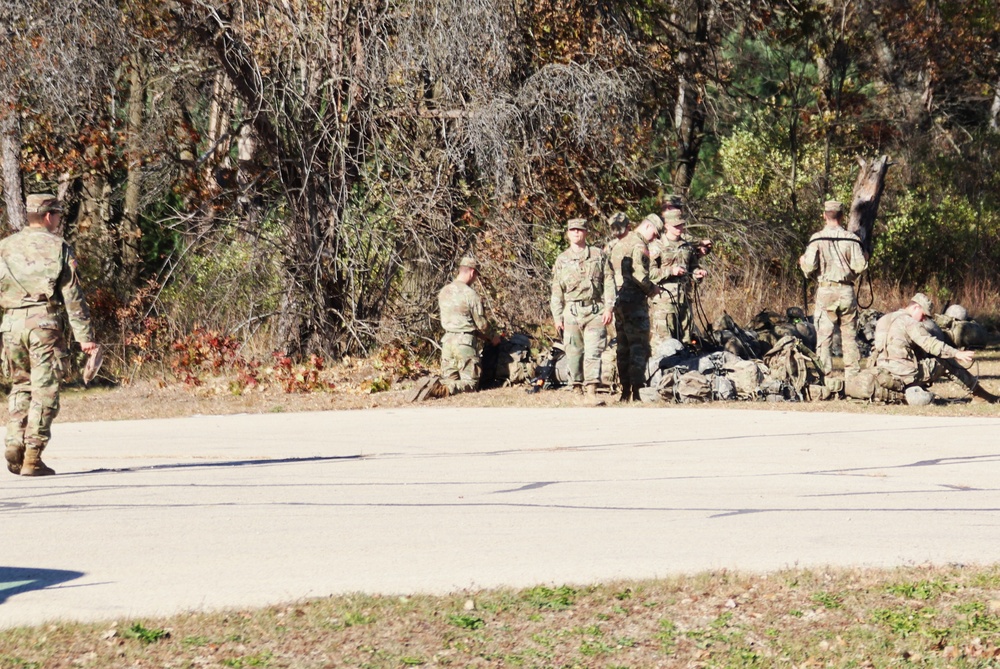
x=967 y=379
x=849 y=336
x=622 y=349
x=449 y=357
x=594 y=341
x=659 y=327
x=462 y=366
x=18 y=362
x=685 y=317
x=573 y=345
x=637 y=324
x=46 y=351
x=825 y=325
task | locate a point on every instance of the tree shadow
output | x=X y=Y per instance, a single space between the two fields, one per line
x=15 y=580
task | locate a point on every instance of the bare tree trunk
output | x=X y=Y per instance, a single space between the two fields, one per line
x=995 y=110
x=867 y=195
x=131 y=234
x=689 y=114
x=10 y=156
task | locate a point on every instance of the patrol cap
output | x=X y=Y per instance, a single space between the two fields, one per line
x=834 y=206
x=673 y=217
x=924 y=303
x=468 y=261
x=655 y=221
x=576 y=224
x=618 y=221
x=42 y=203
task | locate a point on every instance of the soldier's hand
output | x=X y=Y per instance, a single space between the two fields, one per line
x=677 y=270
x=496 y=340
x=704 y=246
x=606 y=317
x=88 y=346
x=559 y=326
x=699 y=273
x=965 y=357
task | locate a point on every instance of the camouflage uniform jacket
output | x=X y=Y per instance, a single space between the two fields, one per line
x=630 y=263
x=462 y=310
x=901 y=340
x=837 y=261
x=38 y=269
x=664 y=255
x=581 y=277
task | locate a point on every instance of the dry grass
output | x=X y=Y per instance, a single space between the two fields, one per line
x=918 y=616
x=149 y=399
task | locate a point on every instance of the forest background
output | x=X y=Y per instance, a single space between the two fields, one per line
x=301 y=176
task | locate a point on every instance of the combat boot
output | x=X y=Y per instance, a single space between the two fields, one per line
x=635 y=393
x=626 y=392
x=592 y=398
x=15 y=456
x=33 y=465
x=985 y=395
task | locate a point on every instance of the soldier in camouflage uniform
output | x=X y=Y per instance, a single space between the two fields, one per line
x=463 y=320
x=905 y=354
x=674 y=267
x=835 y=256
x=630 y=263
x=38 y=281
x=583 y=298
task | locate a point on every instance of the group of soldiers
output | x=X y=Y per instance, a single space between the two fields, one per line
x=642 y=283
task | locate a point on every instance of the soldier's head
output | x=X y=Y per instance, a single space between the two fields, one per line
x=43 y=210
x=468 y=269
x=618 y=224
x=650 y=227
x=576 y=231
x=673 y=224
x=833 y=212
x=920 y=307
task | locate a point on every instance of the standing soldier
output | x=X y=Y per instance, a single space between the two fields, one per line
x=38 y=282
x=839 y=259
x=674 y=267
x=463 y=320
x=630 y=263
x=583 y=298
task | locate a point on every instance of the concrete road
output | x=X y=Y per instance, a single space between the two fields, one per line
x=163 y=516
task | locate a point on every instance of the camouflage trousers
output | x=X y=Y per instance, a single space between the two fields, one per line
x=670 y=318
x=632 y=326
x=837 y=305
x=460 y=367
x=34 y=359
x=584 y=339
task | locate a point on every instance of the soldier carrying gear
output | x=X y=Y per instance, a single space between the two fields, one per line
x=836 y=257
x=674 y=266
x=38 y=283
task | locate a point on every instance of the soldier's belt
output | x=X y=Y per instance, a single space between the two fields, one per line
x=34 y=309
x=834 y=284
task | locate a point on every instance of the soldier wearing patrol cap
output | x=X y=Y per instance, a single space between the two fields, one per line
x=463 y=320
x=836 y=258
x=38 y=283
x=674 y=266
x=583 y=297
x=630 y=264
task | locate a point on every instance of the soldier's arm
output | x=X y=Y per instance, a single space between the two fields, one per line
x=556 y=300
x=610 y=293
x=930 y=345
x=74 y=300
x=640 y=271
x=808 y=260
x=856 y=260
x=483 y=326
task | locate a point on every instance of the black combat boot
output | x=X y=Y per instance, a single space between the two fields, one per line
x=626 y=393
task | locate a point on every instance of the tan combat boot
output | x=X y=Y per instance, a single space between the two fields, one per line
x=592 y=398
x=33 y=465
x=15 y=456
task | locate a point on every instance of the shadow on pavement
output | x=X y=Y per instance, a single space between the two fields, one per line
x=15 y=580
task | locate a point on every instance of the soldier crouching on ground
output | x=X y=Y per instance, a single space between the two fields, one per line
x=463 y=320
x=907 y=359
x=630 y=264
x=38 y=282
x=583 y=297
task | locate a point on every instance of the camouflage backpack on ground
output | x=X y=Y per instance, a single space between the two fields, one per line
x=677 y=385
x=514 y=363
x=796 y=369
x=962 y=333
x=747 y=377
